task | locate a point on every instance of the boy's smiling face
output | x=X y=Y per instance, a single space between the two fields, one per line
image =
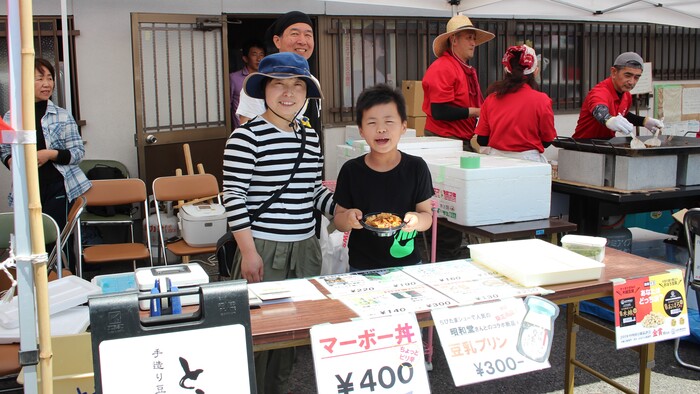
x=382 y=127
x=285 y=97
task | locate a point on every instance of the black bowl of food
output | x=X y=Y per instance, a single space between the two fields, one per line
x=382 y=224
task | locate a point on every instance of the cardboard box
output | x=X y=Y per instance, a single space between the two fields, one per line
x=72 y=365
x=413 y=92
x=417 y=123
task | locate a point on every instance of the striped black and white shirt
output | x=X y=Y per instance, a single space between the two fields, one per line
x=258 y=160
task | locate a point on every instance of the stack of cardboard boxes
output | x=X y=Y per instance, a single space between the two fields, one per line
x=413 y=92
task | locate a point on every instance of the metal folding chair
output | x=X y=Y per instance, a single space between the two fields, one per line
x=114 y=192
x=185 y=189
x=691 y=225
x=56 y=255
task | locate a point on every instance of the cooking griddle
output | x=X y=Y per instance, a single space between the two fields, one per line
x=620 y=146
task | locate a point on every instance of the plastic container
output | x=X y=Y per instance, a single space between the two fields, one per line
x=183 y=276
x=533 y=262
x=592 y=247
x=64 y=294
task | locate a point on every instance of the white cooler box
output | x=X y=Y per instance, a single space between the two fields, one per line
x=202 y=224
x=502 y=190
x=183 y=276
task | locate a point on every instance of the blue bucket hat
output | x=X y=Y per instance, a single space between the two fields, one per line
x=281 y=65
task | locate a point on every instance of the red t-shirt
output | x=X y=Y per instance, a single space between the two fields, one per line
x=517 y=122
x=603 y=93
x=449 y=81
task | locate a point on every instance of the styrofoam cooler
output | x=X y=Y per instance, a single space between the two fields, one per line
x=418 y=145
x=182 y=276
x=425 y=147
x=502 y=190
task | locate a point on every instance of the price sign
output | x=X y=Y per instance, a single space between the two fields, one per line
x=481 y=341
x=650 y=309
x=381 y=355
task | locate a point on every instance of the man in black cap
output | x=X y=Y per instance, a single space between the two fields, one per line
x=291 y=32
x=606 y=108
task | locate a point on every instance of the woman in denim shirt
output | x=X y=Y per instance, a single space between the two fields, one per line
x=59 y=148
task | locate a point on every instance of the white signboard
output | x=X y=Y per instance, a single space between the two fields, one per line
x=380 y=355
x=644 y=84
x=480 y=341
x=209 y=360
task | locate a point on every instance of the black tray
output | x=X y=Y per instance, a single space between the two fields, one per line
x=621 y=146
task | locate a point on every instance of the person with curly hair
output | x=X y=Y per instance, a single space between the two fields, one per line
x=516 y=119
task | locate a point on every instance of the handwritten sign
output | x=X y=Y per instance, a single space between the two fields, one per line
x=480 y=341
x=650 y=309
x=644 y=84
x=380 y=355
x=178 y=362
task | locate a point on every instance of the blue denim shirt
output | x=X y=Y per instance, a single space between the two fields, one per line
x=60 y=132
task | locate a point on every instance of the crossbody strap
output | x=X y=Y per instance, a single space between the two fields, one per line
x=254 y=216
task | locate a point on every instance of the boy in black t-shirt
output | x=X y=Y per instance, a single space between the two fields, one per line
x=385 y=180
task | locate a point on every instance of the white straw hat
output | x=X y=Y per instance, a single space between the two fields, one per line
x=458 y=23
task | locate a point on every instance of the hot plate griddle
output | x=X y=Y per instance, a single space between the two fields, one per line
x=621 y=146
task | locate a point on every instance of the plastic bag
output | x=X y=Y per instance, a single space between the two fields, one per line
x=334 y=249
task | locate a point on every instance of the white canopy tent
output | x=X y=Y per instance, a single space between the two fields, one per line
x=684 y=13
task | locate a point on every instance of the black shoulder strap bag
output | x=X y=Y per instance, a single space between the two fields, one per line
x=226 y=245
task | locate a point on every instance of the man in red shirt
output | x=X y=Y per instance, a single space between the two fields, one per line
x=452 y=96
x=605 y=110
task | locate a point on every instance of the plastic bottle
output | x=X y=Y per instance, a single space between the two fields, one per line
x=537 y=329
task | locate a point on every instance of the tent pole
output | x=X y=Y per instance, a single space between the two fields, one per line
x=34 y=207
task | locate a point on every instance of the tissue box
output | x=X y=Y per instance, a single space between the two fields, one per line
x=182 y=276
x=501 y=190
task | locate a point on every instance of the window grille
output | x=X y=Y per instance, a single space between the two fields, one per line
x=47 y=45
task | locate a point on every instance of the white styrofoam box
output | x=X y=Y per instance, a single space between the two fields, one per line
x=502 y=190
x=64 y=293
x=645 y=172
x=534 y=262
x=415 y=143
x=332 y=137
x=343 y=153
x=181 y=275
x=584 y=167
x=352 y=133
x=688 y=173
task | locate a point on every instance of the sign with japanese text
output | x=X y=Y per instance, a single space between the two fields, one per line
x=481 y=341
x=650 y=309
x=380 y=355
x=209 y=360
